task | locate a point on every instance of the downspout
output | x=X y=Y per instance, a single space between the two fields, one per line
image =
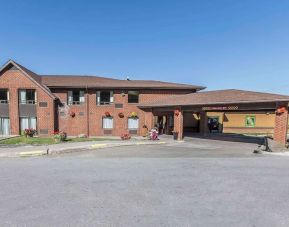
x=87 y=112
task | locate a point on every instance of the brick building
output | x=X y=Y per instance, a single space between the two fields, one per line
x=87 y=105
x=96 y=106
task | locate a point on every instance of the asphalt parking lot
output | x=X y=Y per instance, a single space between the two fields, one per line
x=196 y=183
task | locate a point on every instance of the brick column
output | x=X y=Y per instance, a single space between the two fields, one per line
x=281 y=124
x=179 y=123
x=149 y=119
x=13 y=111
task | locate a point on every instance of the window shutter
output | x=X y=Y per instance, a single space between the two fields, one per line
x=111 y=96
x=98 y=97
x=35 y=96
x=70 y=98
x=8 y=96
x=81 y=96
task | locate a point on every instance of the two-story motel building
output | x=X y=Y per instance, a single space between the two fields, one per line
x=99 y=106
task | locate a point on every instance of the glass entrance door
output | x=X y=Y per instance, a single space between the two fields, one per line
x=213 y=124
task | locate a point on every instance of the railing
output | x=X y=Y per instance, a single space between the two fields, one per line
x=75 y=103
x=105 y=103
x=3 y=101
x=31 y=102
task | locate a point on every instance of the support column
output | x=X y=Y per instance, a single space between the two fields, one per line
x=281 y=124
x=149 y=119
x=14 y=111
x=203 y=123
x=179 y=123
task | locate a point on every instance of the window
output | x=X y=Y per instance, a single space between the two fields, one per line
x=27 y=122
x=76 y=97
x=107 y=122
x=3 y=96
x=250 y=121
x=132 y=123
x=133 y=96
x=27 y=96
x=4 y=126
x=104 y=97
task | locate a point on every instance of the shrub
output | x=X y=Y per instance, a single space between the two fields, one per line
x=60 y=136
x=29 y=132
x=125 y=136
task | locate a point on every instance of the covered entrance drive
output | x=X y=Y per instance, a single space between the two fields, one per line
x=226 y=111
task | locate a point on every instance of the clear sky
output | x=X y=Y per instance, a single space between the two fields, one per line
x=221 y=44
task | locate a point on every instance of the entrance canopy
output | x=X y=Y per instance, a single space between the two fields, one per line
x=218 y=97
x=225 y=101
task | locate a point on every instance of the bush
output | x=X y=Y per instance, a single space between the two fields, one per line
x=60 y=136
x=29 y=132
x=125 y=136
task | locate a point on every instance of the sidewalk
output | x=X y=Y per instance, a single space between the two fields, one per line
x=30 y=150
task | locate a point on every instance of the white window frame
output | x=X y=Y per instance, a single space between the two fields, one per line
x=98 y=101
x=107 y=125
x=70 y=100
x=7 y=100
x=23 y=97
x=129 y=121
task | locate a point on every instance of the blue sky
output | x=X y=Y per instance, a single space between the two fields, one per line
x=217 y=43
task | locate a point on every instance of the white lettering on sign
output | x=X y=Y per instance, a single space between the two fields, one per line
x=220 y=108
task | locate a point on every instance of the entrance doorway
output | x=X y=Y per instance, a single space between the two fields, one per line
x=214 y=124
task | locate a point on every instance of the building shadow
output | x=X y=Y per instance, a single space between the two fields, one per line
x=241 y=138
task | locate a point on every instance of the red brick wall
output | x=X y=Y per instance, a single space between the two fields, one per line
x=281 y=125
x=179 y=123
x=13 y=80
x=78 y=124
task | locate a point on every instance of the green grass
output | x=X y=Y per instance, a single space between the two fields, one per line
x=45 y=140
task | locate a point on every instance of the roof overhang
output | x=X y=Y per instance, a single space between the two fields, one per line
x=44 y=88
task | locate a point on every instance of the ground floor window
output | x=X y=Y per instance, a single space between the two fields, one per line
x=133 y=123
x=107 y=122
x=27 y=122
x=4 y=126
x=250 y=121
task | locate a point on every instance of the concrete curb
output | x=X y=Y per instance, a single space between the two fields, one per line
x=71 y=149
x=98 y=146
x=32 y=153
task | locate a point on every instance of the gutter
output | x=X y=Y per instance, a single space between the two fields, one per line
x=209 y=104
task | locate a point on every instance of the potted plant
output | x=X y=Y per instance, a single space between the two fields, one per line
x=133 y=115
x=175 y=135
x=72 y=114
x=29 y=132
x=121 y=115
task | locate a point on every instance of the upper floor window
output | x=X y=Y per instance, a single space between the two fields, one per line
x=27 y=96
x=76 y=97
x=104 y=97
x=133 y=96
x=4 y=96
